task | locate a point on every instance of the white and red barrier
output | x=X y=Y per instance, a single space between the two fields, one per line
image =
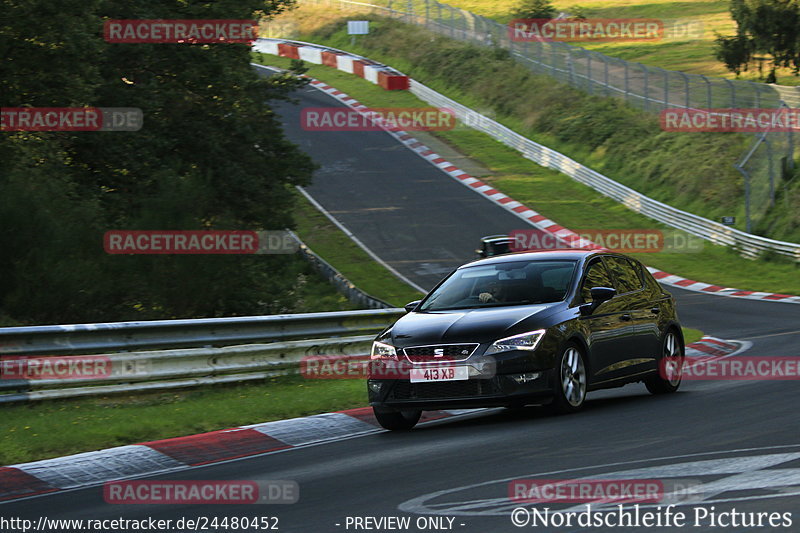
x=386 y=77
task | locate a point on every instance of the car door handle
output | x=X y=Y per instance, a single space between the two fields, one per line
x=626 y=317
x=655 y=310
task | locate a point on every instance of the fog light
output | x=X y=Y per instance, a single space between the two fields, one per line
x=374 y=386
x=525 y=378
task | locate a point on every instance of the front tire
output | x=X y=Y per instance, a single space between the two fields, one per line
x=571 y=380
x=670 y=367
x=396 y=420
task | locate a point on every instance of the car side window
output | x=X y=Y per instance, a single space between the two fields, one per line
x=596 y=276
x=627 y=277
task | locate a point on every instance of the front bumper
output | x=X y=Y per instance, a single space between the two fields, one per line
x=499 y=390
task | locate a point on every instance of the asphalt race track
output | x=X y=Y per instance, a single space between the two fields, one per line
x=739 y=442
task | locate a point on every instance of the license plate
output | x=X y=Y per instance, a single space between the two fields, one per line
x=439 y=373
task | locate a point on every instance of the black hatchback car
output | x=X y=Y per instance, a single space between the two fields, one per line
x=528 y=328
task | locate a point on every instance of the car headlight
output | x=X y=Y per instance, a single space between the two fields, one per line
x=523 y=341
x=381 y=350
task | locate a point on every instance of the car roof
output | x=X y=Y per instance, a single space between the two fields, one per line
x=494 y=238
x=543 y=255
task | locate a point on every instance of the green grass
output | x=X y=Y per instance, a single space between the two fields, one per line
x=316 y=294
x=688 y=55
x=336 y=248
x=42 y=430
x=691 y=335
x=691 y=170
x=567 y=202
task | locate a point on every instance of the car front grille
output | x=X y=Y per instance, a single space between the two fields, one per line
x=405 y=390
x=439 y=353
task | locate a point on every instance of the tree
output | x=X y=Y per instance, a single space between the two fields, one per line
x=770 y=27
x=211 y=155
x=735 y=52
x=578 y=13
x=535 y=9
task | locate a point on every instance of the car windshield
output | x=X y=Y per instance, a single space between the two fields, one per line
x=503 y=284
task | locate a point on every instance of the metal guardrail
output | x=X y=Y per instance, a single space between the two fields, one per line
x=233 y=350
x=169 y=369
x=748 y=244
x=203 y=332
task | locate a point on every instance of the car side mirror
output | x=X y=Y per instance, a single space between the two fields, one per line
x=410 y=306
x=599 y=295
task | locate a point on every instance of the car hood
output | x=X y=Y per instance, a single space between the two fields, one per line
x=468 y=325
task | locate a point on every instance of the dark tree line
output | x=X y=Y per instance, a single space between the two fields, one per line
x=211 y=155
x=765 y=29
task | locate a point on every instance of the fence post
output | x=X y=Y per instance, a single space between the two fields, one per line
x=758 y=96
x=589 y=72
x=571 y=68
x=686 y=88
x=708 y=90
x=666 y=88
x=627 y=81
x=790 y=143
x=747 y=226
x=646 y=87
x=733 y=92
x=771 y=165
x=605 y=75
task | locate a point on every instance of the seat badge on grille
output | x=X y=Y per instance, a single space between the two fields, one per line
x=438 y=352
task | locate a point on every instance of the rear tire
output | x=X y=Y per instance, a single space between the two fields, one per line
x=397 y=420
x=571 y=380
x=670 y=367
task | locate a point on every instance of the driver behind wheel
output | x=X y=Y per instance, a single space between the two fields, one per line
x=493 y=293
